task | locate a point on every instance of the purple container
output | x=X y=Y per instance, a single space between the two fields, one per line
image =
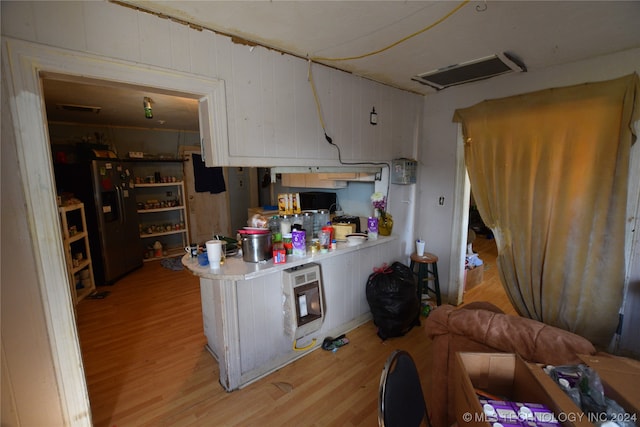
x=298 y=238
x=500 y=411
x=372 y=226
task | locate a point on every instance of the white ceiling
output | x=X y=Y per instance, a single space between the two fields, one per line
x=119 y=105
x=539 y=33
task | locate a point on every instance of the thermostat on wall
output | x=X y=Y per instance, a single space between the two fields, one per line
x=403 y=171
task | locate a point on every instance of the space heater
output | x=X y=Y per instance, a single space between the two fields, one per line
x=303 y=305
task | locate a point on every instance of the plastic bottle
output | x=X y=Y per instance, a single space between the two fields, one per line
x=329 y=228
x=285 y=225
x=320 y=219
x=274 y=226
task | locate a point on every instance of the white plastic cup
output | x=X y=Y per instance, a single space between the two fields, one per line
x=214 y=253
x=420 y=247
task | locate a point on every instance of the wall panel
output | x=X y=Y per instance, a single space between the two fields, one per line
x=109 y=31
x=155 y=40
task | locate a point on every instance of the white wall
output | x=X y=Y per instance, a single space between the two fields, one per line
x=438 y=155
x=32 y=376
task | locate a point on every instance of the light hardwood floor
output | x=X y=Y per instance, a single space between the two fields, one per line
x=491 y=288
x=146 y=365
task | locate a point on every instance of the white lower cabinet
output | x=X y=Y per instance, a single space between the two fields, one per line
x=243 y=314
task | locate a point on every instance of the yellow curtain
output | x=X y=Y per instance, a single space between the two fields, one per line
x=549 y=173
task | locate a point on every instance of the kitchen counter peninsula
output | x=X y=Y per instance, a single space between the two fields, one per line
x=243 y=311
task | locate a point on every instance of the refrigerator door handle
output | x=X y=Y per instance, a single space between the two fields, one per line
x=121 y=204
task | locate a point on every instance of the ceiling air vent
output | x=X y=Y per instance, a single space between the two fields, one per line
x=470 y=71
x=79 y=108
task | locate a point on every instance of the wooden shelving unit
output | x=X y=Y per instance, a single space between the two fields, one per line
x=77 y=252
x=166 y=223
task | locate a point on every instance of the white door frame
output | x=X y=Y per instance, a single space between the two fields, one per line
x=459 y=230
x=24 y=64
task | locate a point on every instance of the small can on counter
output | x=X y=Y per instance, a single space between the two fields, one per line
x=279 y=254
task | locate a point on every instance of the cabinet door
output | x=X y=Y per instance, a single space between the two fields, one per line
x=311 y=180
x=293 y=180
x=212 y=113
x=208 y=213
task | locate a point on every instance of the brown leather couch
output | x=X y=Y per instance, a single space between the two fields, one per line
x=482 y=327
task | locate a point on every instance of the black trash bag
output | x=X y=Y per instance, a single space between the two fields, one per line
x=393 y=299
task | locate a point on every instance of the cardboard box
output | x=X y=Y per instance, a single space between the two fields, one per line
x=504 y=375
x=620 y=378
x=509 y=377
x=473 y=277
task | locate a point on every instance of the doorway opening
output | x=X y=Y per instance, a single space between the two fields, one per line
x=26 y=65
x=491 y=287
x=75 y=134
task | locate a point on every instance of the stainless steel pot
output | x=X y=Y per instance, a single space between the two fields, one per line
x=256 y=247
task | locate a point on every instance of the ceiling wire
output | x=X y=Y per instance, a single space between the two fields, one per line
x=311 y=60
x=375 y=52
x=402 y=40
x=318 y=108
x=329 y=139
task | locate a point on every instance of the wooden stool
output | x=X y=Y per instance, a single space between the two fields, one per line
x=427 y=271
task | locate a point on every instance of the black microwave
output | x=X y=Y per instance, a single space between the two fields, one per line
x=313 y=200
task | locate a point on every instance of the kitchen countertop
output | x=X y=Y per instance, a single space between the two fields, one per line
x=235 y=268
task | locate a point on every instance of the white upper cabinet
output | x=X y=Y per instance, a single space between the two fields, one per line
x=257 y=106
x=273 y=119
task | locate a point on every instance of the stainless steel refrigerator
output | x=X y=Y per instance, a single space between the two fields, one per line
x=106 y=188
